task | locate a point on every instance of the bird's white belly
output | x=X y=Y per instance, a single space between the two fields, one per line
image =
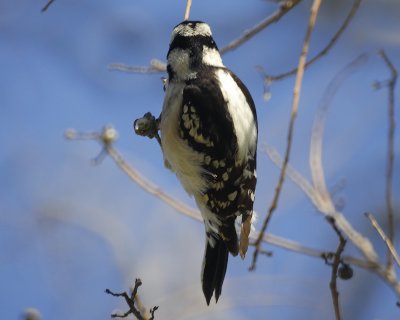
x=183 y=160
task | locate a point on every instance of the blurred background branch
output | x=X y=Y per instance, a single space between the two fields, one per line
x=390 y=155
x=48 y=4
x=325 y=50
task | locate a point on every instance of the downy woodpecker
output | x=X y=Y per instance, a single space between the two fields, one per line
x=209 y=133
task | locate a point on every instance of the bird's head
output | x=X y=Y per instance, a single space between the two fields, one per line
x=191 y=48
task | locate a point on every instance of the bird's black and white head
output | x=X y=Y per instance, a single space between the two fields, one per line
x=191 y=48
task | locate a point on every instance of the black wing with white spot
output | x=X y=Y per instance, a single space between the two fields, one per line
x=206 y=126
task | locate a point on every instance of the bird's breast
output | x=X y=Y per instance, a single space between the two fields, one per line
x=183 y=160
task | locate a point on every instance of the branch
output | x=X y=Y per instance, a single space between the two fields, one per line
x=156 y=66
x=335 y=267
x=324 y=51
x=47 y=5
x=187 y=10
x=390 y=155
x=392 y=250
x=283 y=9
x=295 y=105
x=131 y=302
x=332 y=284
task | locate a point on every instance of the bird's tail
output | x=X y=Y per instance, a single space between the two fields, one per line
x=214 y=268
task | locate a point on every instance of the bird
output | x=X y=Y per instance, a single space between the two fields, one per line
x=208 y=132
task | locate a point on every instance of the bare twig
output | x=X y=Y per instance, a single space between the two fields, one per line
x=131 y=171
x=131 y=301
x=283 y=9
x=47 y=5
x=187 y=10
x=332 y=284
x=324 y=51
x=156 y=66
x=149 y=187
x=295 y=105
x=337 y=260
x=385 y=238
x=390 y=157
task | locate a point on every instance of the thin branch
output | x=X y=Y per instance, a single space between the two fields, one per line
x=385 y=238
x=283 y=9
x=156 y=66
x=132 y=173
x=324 y=51
x=187 y=10
x=48 y=4
x=293 y=246
x=149 y=187
x=390 y=155
x=295 y=105
x=131 y=302
x=332 y=284
x=337 y=260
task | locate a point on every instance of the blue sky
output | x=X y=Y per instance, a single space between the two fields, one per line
x=69 y=229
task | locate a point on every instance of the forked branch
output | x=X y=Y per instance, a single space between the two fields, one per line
x=325 y=50
x=131 y=301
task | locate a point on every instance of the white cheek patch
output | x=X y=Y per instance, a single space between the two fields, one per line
x=180 y=61
x=212 y=57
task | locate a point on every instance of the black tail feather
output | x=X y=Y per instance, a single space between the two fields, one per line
x=214 y=268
